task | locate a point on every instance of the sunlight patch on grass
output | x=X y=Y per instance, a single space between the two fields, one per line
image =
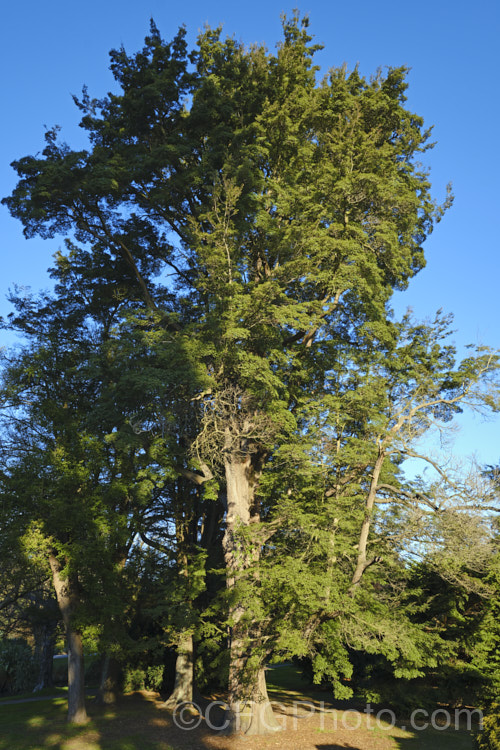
x=81 y=743
x=52 y=740
x=36 y=721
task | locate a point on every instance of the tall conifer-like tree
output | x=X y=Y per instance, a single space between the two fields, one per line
x=284 y=209
x=77 y=478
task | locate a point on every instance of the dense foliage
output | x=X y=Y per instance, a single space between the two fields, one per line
x=207 y=424
x=489 y=738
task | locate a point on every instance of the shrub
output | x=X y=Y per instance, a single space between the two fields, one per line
x=154 y=677
x=489 y=738
x=17 y=667
x=134 y=679
x=143 y=678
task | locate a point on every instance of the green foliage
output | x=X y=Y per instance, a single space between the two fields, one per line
x=285 y=210
x=485 y=646
x=489 y=737
x=17 y=667
x=143 y=678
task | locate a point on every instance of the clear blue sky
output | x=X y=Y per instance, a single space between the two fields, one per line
x=49 y=50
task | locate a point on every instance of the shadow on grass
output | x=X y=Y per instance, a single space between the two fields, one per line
x=435 y=739
x=141 y=722
x=285 y=684
x=137 y=722
x=428 y=740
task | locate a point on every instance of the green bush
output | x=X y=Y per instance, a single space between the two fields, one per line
x=134 y=679
x=154 y=677
x=17 y=667
x=143 y=678
x=489 y=738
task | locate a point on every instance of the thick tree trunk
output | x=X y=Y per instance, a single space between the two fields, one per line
x=109 y=686
x=250 y=711
x=183 y=686
x=77 y=713
x=253 y=714
x=67 y=599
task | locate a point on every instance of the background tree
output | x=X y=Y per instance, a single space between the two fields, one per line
x=75 y=470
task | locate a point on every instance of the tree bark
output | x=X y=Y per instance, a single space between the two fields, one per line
x=250 y=711
x=362 y=562
x=109 y=685
x=183 y=686
x=184 y=664
x=67 y=599
x=253 y=715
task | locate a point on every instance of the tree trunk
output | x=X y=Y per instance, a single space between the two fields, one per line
x=110 y=681
x=252 y=715
x=363 y=563
x=67 y=599
x=250 y=711
x=183 y=686
x=44 y=653
x=77 y=713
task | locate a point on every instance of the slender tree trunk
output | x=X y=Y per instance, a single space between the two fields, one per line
x=44 y=653
x=183 y=686
x=67 y=598
x=363 y=562
x=184 y=664
x=109 y=686
x=249 y=708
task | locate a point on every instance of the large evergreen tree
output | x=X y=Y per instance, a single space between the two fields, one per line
x=285 y=210
x=76 y=476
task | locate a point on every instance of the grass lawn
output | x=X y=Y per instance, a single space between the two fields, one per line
x=33 y=726
x=139 y=722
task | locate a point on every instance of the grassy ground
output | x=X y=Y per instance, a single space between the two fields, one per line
x=42 y=725
x=139 y=722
